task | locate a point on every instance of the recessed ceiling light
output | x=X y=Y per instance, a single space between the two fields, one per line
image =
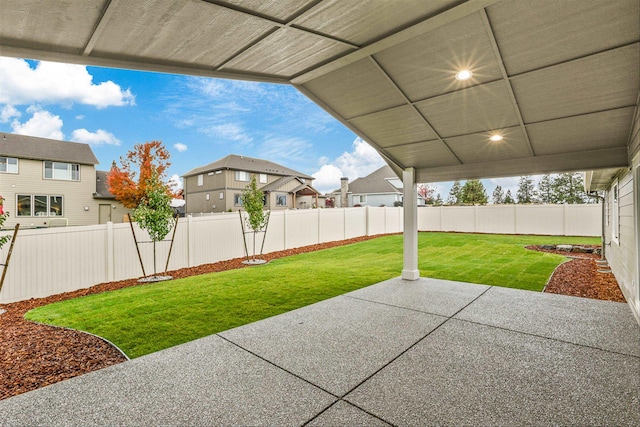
x=464 y=75
x=496 y=137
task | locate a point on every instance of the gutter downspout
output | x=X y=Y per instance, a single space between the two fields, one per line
x=602 y=226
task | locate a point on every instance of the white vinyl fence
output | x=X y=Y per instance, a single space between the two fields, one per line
x=51 y=261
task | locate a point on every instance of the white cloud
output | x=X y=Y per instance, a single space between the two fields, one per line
x=51 y=82
x=99 y=137
x=8 y=112
x=180 y=147
x=42 y=124
x=229 y=131
x=285 y=150
x=360 y=162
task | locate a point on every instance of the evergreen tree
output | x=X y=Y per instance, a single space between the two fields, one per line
x=498 y=195
x=508 y=198
x=568 y=188
x=545 y=189
x=473 y=192
x=526 y=190
x=455 y=194
x=439 y=201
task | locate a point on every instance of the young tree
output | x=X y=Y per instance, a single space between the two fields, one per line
x=257 y=220
x=508 y=198
x=473 y=192
x=438 y=201
x=498 y=195
x=455 y=194
x=545 y=189
x=154 y=213
x=526 y=190
x=129 y=183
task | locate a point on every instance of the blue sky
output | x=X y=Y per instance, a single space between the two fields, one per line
x=198 y=119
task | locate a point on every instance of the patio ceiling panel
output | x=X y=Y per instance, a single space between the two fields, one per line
x=606 y=129
x=280 y=10
x=477 y=148
x=287 y=52
x=425 y=66
x=363 y=22
x=479 y=108
x=395 y=126
x=348 y=90
x=45 y=26
x=572 y=29
x=424 y=155
x=192 y=32
x=603 y=81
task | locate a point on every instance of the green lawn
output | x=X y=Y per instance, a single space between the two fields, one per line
x=151 y=317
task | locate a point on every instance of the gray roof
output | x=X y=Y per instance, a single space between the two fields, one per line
x=102 y=189
x=375 y=182
x=29 y=147
x=249 y=164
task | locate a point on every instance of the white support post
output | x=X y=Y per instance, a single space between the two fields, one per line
x=410 y=207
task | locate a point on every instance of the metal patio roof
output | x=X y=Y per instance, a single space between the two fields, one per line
x=558 y=79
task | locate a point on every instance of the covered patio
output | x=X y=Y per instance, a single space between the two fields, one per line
x=426 y=352
x=444 y=90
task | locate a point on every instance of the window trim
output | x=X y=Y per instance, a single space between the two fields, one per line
x=70 y=170
x=237 y=199
x=200 y=182
x=263 y=179
x=615 y=212
x=278 y=198
x=240 y=174
x=7 y=159
x=48 y=208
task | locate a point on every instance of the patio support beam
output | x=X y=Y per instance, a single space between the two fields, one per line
x=410 y=207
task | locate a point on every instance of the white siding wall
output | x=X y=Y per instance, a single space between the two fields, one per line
x=50 y=261
x=623 y=254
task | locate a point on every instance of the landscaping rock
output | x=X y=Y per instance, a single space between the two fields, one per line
x=583 y=250
x=548 y=247
x=566 y=248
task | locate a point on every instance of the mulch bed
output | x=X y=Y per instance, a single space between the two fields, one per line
x=34 y=355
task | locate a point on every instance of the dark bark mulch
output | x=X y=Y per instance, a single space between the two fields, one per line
x=34 y=355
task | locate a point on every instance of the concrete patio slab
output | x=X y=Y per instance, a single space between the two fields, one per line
x=335 y=344
x=441 y=297
x=580 y=321
x=205 y=382
x=377 y=356
x=470 y=374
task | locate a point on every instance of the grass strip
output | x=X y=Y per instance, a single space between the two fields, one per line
x=148 y=318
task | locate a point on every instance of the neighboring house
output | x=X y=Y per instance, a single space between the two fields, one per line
x=379 y=188
x=109 y=209
x=622 y=219
x=48 y=183
x=217 y=187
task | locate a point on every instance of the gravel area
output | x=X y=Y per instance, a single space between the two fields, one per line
x=34 y=355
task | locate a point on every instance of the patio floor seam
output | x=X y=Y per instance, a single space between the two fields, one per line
x=447 y=319
x=548 y=338
x=352 y=404
x=279 y=367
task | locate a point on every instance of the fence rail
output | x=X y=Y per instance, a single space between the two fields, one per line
x=51 y=261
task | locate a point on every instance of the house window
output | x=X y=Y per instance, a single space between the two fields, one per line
x=62 y=171
x=222 y=195
x=281 y=200
x=237 y=199
x=263 y=178
x=39 y=205
x=200 y=180
x=206 y=196
x=615 y=213
x=242 y=176
x=8 y=165
x=360 y=198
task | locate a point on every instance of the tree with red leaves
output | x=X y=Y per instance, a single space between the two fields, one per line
x=145 y=162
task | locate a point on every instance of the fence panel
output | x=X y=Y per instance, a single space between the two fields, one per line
x=50 y=261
